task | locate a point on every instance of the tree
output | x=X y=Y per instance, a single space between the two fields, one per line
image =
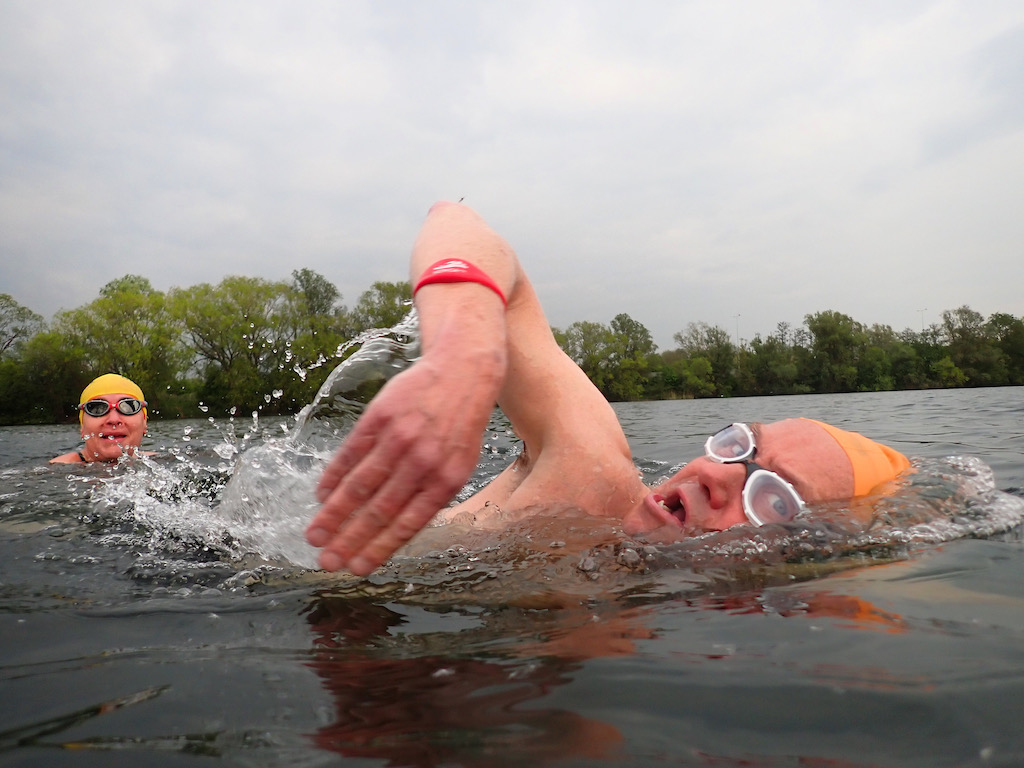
x=591 y=346
x=973 y=348
x=382 y=306
x=313 y=325
x=17 y=323
x=42 y=385
x=838 y=342
x=1008 y=332
x=686 y=376
x=235 y=334
x=924 y=351
x=319 y=296
x=129 y=330
x=772 y=364
x=713 y=344
x=631 y=349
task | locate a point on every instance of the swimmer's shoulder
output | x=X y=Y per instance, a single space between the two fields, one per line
x=599 y=482
x=74 y=457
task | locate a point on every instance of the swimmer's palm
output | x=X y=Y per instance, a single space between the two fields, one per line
x=407 y=456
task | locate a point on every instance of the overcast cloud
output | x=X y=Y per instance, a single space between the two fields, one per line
x=676 y=161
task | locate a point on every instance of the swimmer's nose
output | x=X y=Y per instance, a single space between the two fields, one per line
x=719 y=481
x=722 y=485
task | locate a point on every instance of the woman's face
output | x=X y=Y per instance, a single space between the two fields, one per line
x=707 y=496
x=110 y=436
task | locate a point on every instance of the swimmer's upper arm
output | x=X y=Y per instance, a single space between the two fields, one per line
x=549 y=399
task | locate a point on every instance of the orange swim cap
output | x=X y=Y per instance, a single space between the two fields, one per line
x=110 y=384
x=873 y=463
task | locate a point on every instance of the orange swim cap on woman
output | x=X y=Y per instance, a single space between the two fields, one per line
x=110 y=384
x=873 y=463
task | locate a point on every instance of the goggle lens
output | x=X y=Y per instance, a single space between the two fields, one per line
x=734 y=443
x=129 y=406
x=767 y=498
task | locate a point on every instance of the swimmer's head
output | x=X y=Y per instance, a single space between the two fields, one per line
x=109 y=384
x=873 y=463
x=822 y=463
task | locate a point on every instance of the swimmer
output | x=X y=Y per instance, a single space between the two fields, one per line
x=112 y=413
x=485 y=340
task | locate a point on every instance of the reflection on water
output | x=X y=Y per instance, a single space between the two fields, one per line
x=424 y=705
x=167 y=606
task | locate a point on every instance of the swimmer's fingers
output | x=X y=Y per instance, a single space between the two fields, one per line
x=383 y=536
x=359 y=532
x=378 y=439
x=352 y=452
x=353 y=492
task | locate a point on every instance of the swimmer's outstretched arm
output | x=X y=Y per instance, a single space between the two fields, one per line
x=419 y=439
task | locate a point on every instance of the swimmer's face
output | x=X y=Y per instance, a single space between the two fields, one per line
x=109 y=436
x=707 y=496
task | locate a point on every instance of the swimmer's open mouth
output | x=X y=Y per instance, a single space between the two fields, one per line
x=670 y=506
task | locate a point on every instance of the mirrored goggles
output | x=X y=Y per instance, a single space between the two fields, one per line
x=767 y=497
x=129 y=406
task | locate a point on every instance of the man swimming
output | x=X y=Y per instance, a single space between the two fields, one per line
x=112 y=414
x=485 y=339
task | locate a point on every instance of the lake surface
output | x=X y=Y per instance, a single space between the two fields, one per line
x=165 y=614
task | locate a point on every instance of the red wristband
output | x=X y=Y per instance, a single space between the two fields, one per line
x=458 y=271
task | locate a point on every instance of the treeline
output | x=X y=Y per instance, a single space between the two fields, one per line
x=249 y=344
x=830 y=352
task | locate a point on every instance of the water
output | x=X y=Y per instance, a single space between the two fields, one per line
x=165 y=614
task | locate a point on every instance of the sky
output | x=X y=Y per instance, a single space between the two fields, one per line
x=741 y=164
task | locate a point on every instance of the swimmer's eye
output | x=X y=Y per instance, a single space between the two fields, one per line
x=767 y=498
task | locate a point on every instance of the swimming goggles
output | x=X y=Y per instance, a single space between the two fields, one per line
x=128 y=406
x=767 y=498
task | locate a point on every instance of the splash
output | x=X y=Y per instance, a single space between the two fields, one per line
x=270 y=497
x=245 y=499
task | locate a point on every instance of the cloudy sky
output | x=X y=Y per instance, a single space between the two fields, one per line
x=738 y=163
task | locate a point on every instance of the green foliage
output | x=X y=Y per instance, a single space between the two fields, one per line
x=973 y=348
x=249 y=344
x=43 y=383
x=128 y=330
x=382 y=306
x=616 y=358
x=1007 y=332
x=241 y=334
x=17 y=323
x=712 y=343
x=837 y=344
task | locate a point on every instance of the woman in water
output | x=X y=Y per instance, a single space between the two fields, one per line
x=112 y=414
x=485 y=339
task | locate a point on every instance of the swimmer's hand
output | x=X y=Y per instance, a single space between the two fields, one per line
x=410 y=452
